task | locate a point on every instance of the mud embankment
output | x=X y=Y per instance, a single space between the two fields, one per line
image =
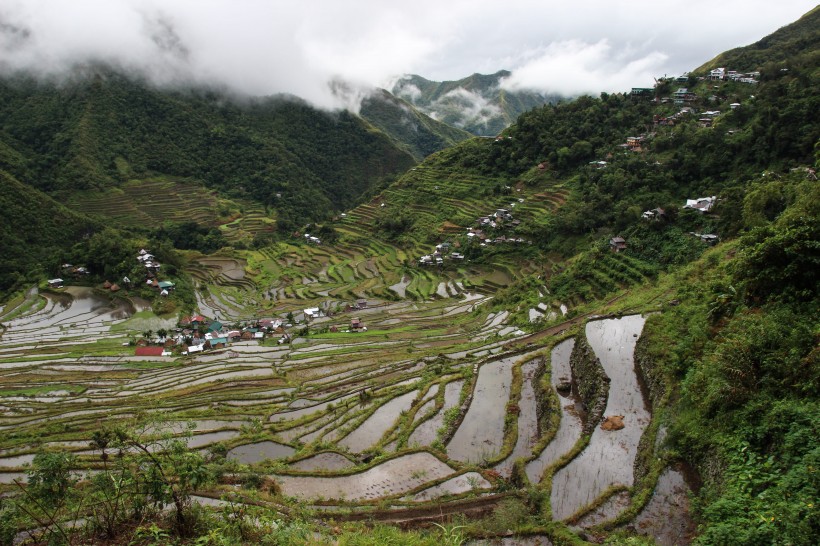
x=591 y=381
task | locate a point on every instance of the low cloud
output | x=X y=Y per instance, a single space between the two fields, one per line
x=261 y=47
x=472 y=108
x=574 y=67
x=406 y=90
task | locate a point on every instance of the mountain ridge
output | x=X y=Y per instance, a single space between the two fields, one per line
x=477 y=103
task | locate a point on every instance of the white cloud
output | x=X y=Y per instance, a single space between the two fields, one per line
x=471 y=108
x=406 y=90
x=273 y=46
x=574 y=67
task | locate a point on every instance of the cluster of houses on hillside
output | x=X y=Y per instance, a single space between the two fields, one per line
x=722 y=74
x=152 y=267
x=196 y=333
x=441 y=251
x=66 y=270
x=700 y=204
x=501 y=219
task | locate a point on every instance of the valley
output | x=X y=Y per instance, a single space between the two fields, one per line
x=237 y=320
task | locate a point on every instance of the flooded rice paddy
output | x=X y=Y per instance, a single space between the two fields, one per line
x=608 y=459
x=428 y=379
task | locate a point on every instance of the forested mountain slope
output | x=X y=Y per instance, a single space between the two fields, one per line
x=477 y=103
x=101 y=128
x=413 y=131
x=34 y=228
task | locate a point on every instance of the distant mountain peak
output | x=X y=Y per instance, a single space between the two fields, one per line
x=476 y=104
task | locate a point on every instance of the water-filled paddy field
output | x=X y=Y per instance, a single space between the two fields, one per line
x=432 y=403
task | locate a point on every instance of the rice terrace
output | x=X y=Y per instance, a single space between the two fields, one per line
x=362 y=386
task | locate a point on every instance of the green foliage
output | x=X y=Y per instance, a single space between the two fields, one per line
x=37 y=233
x=782 y=45
x=191 y=236
x=459 y=103
x=256 y=147
x=415 y=132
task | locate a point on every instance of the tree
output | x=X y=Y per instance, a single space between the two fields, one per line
x=170 y=471
x=51 y=494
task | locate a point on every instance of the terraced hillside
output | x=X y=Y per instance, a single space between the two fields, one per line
x=429 y=410
x=150 y=202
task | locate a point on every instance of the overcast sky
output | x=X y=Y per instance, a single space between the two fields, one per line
x=265 y=47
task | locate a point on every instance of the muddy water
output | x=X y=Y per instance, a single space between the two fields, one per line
x=666 y=517
x=527 y=418
x=425 y=433
x=392 y=477
x=454 y=486
x=481 y=433
x=609 y=457
x=298 y=413
x=200 y=440
x=400 y=287
x=16 y=461
x=258 y=452
x=612 y=506
x=78 y=306
x=369 y=432
x=323 y=461
x=11 y=477
x=570 y=427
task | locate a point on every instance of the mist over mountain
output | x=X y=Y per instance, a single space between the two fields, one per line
x=478 y=104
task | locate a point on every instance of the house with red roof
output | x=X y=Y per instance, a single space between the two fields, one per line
x=149 y=351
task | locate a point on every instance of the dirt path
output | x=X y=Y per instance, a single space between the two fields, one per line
x=423 y=516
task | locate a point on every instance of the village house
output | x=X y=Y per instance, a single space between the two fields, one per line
x=634 y=142
x=718 y=74
x=216 y=343
x=617 y=244
x=55 y=283
x=313 y=313
x=149 y=351
x=215 y=326
x=701 y=204
x=683 y=96
x=654 y=214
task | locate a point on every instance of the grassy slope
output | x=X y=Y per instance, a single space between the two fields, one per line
x=782 y=45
